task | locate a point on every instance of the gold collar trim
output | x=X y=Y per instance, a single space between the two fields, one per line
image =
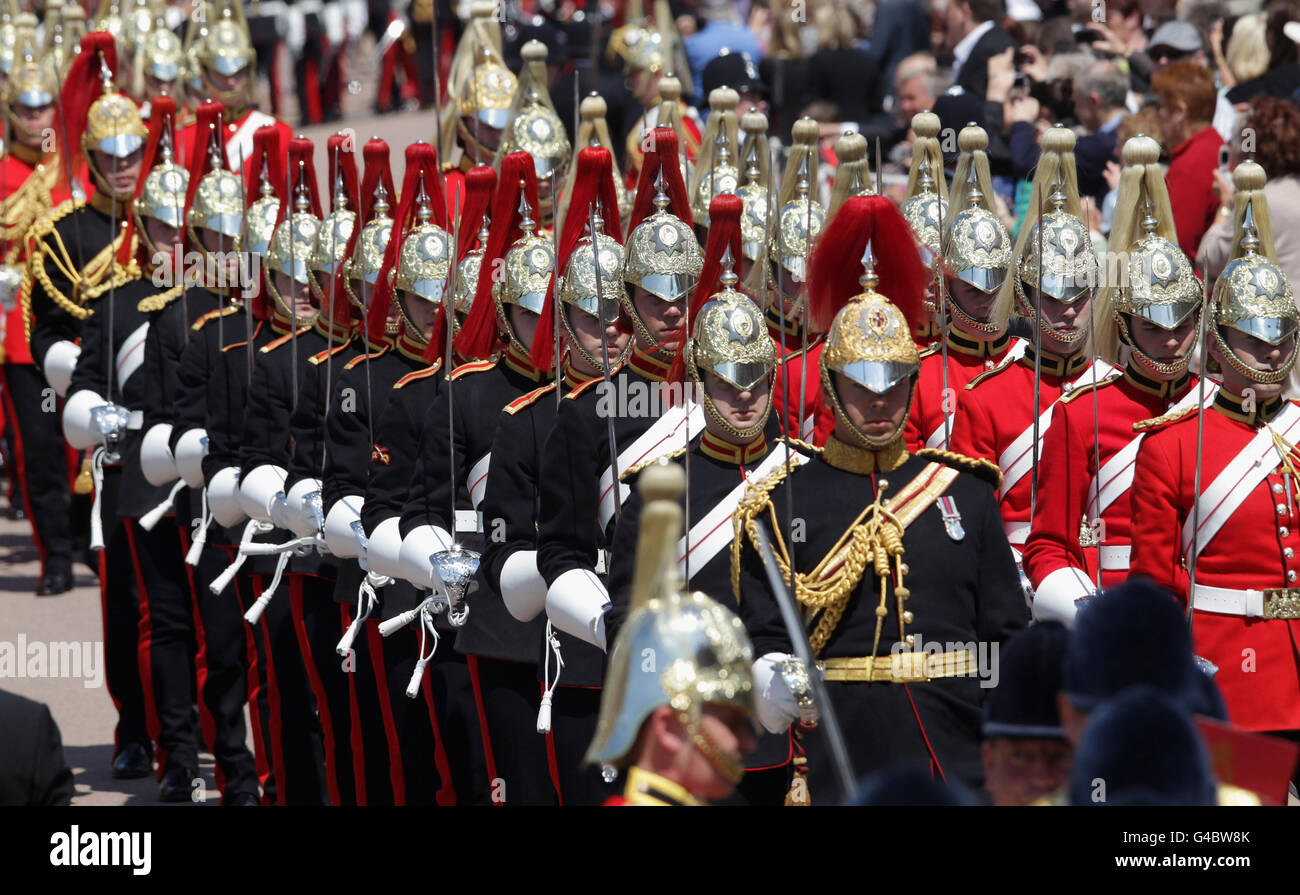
x=650 y=789
x=27 y=154
x=735 y=454
x=1234 y=408
x=103 y=202
x=334 y=333
x=863 y=461
x=779 y=323
x=573 y=379
x=964 y=344
x=649 y=365
x=1054 y=364
x=522 y=365
x=1161 y=389
x=408 y=345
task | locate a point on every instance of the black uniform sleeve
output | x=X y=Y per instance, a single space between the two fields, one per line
x=510 y=502
x=429 y=495
x=50 y=322
x=621 y=564
x=224 y=420
x=90 y=372
x=397 y=433
x=347 y=438
x=570 y=500
x=265 y=436
x=1001 y=609
x=759 y=610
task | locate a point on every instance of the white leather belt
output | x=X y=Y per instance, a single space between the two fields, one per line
x=1115 y=558
x=601 y=565
x=469 y=521
x=1271 y=603
x=1017 y=532
x=137 y=420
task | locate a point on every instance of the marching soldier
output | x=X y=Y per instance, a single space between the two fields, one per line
x=536 y=129
x=30 y=185
x=731 y=361
x=976 y=252
x=73 y=261
x=106 y=401
x=440 y=512
x=570 y=670
x=581 y=462
x=1088 y=453
x=1230 y=550
x=680 y=735
x=1003 y=414
x=894 y=544
x=655 y=65
x=211 y=219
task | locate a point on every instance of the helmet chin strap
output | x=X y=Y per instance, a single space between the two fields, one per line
x=864 y=440
x=727 y=767
x=1177 y=368
x=1263 y=377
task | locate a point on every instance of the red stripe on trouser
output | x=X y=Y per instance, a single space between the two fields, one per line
x=252 y=678
x=19 y=468
x=354 y=709
x=273 y=77
x=317 y=687
x=934 y=759
x=472 y=662
x=447 y=791
x=411 y=87
x=395 y=774
x=386 y=79
x=273 y=690
x=311 y=89
x=144 y=648
x=103 y=615
x=551 y=761
x=207 y=723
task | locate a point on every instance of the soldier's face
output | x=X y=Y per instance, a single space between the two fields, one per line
x=975 y=303
x=725 y=726
x=155 y=87
x=524 y=323
x=877 y=416
x=1067 y=319
x=1254 y=353
x=587 y=329
x=740 y=408
x=295 y=295
x=121 y=174
x=1167 y=346
x=228 y=84
x=662 y=318
x=1020 y=771
x=163 y=237
x=35 y=123
x=419 y=311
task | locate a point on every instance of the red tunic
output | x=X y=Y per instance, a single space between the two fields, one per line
x=994 y=420
x=1254 y=548
x=818 y=415
x=1060 y=569
x=967 y=359
x=239 y=138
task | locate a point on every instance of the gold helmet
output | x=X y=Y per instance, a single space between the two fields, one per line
x=161 y=56
x=1067 y=270
x=578 y=285
x=137 y=24
x=1253 y=294
x=1157 y=282
x=108 y=17
x=224 y=46
x=335 y=231
x=534 y=127
x=753 y=185
x=372 y=243
x=800 y=217
x=113 y=126
x=261 y=217
x=467 y=271
x=663 y=255
x=490 y=90
x=528 y=267
x=30 y=84
x=714 y=172
x=978 y=253
x=593 y=130
x=870 y=336
x=11 y=36
x=424 y=263
x=218 y=203
x=701 y=652
x=293 y=244
x=925 y=206
x=731 y=341
x=163 y=195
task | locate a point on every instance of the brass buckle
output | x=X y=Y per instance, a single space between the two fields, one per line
x=1282 y=602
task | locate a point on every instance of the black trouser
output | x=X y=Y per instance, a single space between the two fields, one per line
x=294 y=734
x=509 y=696
x=121 y=613
x=225 y=683
x=574 y=712
x=41 y=461
x=316 y=618
x=258 y=673
x=167 y=642
x=427 y=770
x=451 y=690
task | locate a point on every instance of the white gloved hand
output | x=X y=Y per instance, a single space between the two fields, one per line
x=773 y=701
x=576 y=604
x=59 y=362
x=78 y=420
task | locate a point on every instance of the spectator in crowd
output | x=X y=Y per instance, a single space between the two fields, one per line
x=722 y=30
x=973 y=37
x=899 y=31
x=784 y=68
x=840 y=71
x=1186 y=96
x=1282 y=78
x=1246 y=54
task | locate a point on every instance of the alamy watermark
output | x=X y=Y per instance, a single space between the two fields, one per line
x=59 y=658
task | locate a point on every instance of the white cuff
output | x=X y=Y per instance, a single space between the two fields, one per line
x=258 y=489
x=1055 y=595
x=384 y=548
x=191 y=448
x=413 y=560
x=522 y=587
x=78 y=425
x=576 y=604
x=302 y=521
x=156 y=460
x=773 y=702
x=223 y=497
x=339 y=536
x=59 y=362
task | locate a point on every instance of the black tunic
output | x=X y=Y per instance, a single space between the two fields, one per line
x=962 y=592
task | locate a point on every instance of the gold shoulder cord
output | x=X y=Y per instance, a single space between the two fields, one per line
x=159 y=300
x=874 y=538
x=24 y=207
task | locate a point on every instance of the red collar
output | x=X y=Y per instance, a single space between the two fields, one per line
x=649 y=365
x=735 y=454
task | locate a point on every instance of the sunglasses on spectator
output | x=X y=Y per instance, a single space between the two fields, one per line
x=1168 y=54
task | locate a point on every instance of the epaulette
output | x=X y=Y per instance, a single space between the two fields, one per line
x=319 y=358
x=987 y=374
x=419 y=374
x=637 y=467
x=362 y=357
x=1172 y=416
x=523 y=401
x=213 y=315
x=474 y=366
x=980 y=467
x=233 y=345
x=282 y=340
x=584 y=388
x=1087 y=389
x=159 y=300
x=800 y=443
